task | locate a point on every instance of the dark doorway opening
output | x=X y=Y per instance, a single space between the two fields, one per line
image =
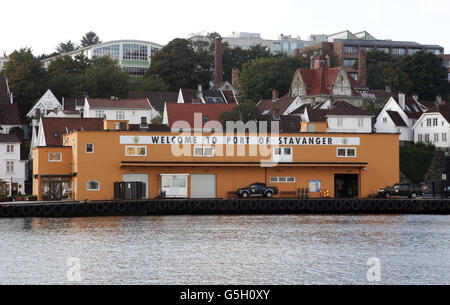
x=346 y=186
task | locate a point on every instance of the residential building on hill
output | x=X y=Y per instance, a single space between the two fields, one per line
x=12 y=166
x=433 y=127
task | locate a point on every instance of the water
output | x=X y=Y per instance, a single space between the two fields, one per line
x=226 y=249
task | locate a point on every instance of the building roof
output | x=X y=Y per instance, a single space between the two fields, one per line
x=386 y=43
x=185 y=112
x=397 y=119
x=209 y=96
x=275 y=107
x=70 y=104
x=290 y=123
x=9 y=114
x=320 y=81
x=119 y=104
x=55 y=128
x=4 y=94
x=344 y=108
x=7 y=138
x=317 y=115
x=412 y=108
x=156 y=99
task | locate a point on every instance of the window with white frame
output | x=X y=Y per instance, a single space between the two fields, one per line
x=10 y=148
x=10 y=166
x=282 y=154
x=90 y=148
x=120 y=115
x=444 y=137
x=384 y=120
x=346 y=152
x=419 y=138
x=436 y=137
x=203 y=151
x=360 y=122
x=54 y=157
x=428 y=122
x=93 y=185
x=99 y=114
x=435 y=122
x=136 y=151
x=340 y=122
x=282 y=179
x=427 y=138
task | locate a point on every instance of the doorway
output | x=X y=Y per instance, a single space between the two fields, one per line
x=346 y=186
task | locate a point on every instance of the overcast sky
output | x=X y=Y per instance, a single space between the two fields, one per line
x=42 y=24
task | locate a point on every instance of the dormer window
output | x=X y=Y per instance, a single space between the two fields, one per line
x=205 y=119
x=55 y=135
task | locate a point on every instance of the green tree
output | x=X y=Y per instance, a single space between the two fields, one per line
x=421 y=155
x=246 y=111
x=104 y=78
x=64 y=47
x=260 y=76
x=89 y=39
x=148 y=84
x=27 y=78
x=180 y=66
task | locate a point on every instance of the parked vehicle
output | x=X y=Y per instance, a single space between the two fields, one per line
x=257 y=189
x=401 y=189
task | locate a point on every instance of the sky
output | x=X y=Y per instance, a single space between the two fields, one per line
x=43 y=24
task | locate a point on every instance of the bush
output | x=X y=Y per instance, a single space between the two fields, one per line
x=415 y=160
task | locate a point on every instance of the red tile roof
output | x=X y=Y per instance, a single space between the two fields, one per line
x=413 y=111
x=157 y=99
x=320 y=81
x=55 y=128
x=119 y=104
x=9 y=114
x=185 y=112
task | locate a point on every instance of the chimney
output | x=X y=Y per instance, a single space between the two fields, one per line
x=439 y=100
x=235 y=75
x=218 y=69
x=328 y=61
x=312 y=62
x=199 y=88
x=401 y=100
x=362 y=68
x=64 y=108
x=274 y=95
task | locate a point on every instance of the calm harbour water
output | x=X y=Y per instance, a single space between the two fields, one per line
x=226 y=249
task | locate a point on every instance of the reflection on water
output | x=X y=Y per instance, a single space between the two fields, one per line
x=226 y=249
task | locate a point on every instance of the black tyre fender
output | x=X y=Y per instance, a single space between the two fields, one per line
x=15 y=211
x=329 y=205
x=311 y=205
x=347 y=205
x=80 y=209
x=282 y=205
x=182 y=206
x=390 y=206
x=443 y=206
x=68 y=210
x=132 y=206
x=356 y=206
x=364 y=205
x=90 y=208
x=338 y=205
x=5 y=211
x=433 y=205
x=100 y=207
x=121 y=206
x=263 y=205
x=234 y=205
x=48 y=210
x=291 y=205
x=373 y=205
x=26 y=210
x=254 y=205
x=301 y=205
x=399 y=205
x=224 y=205
x=38 y=211
x=320 y=205
x=152 y=206
x=162 y=206
x=244 y=205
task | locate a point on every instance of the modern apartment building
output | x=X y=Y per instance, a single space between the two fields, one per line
x=348 y=45
x=134 y=56
x=446 y=63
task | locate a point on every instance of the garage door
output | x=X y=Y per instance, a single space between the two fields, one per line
x=203 y=186
x=137 y=178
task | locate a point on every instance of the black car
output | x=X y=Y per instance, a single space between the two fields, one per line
x=257 y=189
x=401 y=189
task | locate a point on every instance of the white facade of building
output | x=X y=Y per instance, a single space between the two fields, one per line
x=134 y=56
x=384 y=123
x=12 y=169
x=133 y=116
x=349 y=124
x=433 y=128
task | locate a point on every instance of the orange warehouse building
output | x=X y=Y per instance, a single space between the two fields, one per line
x=195 y=165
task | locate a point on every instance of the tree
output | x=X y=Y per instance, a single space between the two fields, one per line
x=180 y=66
x=260 y=76
x=89 y=39
x=104 y=78
x=65 y=47
x=27 y=78
x=148 y=84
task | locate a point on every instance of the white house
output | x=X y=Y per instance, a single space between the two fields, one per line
x=346 y=118
x=433 y=127
x=135 y=111
x=12 y=168
x=400 y=117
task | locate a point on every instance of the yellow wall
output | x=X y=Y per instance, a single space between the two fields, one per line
x=379 y=151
